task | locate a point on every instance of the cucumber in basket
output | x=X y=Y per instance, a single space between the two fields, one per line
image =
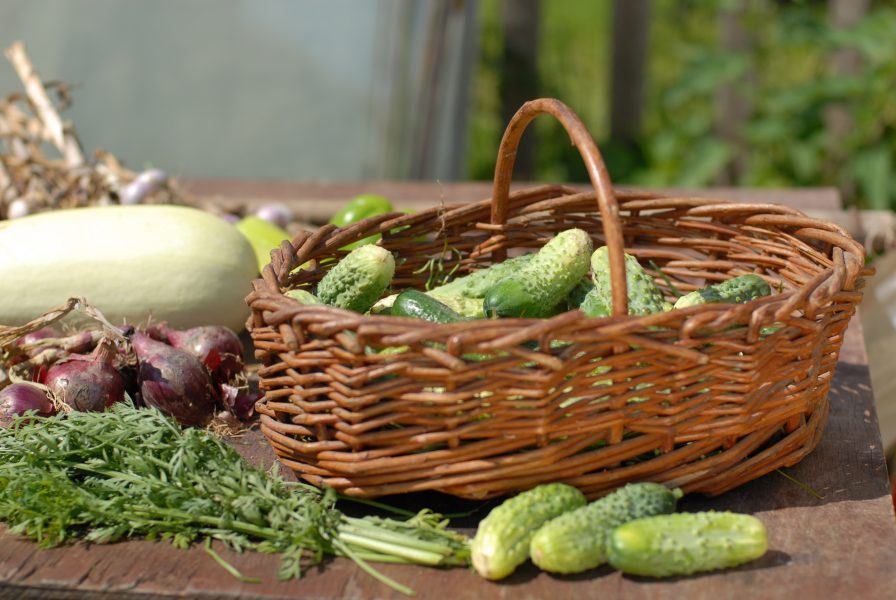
x=358 y=280
x=736 y=290
x=644 y=295
x=577 y=540
x=538 y=287
x=416 y=304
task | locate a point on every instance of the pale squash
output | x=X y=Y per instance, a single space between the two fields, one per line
x=166 y=263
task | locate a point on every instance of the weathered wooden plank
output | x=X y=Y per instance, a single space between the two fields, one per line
x=842 y=544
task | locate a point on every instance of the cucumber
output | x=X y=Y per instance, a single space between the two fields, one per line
x=578 y=294
x=476 y=284
x=685 y=543
x=577 y=540
x=414 y=303
x=502 y=539
x=736 y=290
x=358 y=280
x=644 y=296
x=538 y=287
x=303 y=296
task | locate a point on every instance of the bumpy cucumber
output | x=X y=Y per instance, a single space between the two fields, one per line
x=303 y=296
x=537 y=288
x=644 y=296
x=685 y=543
x=502 y=539
x=477 y=283
x=358 y=280
x=416 y=304
x=577 y=540
x=736 y=290
x=578 y=294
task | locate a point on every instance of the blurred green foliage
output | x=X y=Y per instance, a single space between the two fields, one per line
x=785 y=78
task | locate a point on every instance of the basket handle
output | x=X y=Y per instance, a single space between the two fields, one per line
x=597 y=171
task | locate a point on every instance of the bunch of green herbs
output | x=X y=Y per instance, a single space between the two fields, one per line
x=129 y=472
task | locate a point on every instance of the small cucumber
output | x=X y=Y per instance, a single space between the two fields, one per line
x=736 y=290
x=414 y=303
x=358 y=280
x=685 y=543
x=476 y=284
x=578 y=294
x=644 y=295
x=502 y=539
x=577 y=540
x=303 y=296
x=538 y=287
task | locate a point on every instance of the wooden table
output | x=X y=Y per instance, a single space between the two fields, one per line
x=835 y=540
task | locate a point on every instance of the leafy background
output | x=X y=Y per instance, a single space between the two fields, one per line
x=785 y=78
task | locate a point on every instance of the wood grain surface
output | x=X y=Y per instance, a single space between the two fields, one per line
x=839 y=545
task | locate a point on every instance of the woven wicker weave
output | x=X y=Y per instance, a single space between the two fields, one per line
x=705 y=398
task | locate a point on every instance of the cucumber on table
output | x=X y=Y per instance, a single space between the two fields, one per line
x=358 y=280
x=736 y=290
x=538 y=287
x=644 y=295
x=685 y=543
x=577 y=540
x=502 y=539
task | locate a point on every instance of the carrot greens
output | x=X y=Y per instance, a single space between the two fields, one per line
x=130 y=472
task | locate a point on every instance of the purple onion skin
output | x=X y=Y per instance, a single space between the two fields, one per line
x=240 y=402
x=173 y=381
x=88 y=383
x=19 y=398
x=219 y=349
x=39 y=334
x=277 y=213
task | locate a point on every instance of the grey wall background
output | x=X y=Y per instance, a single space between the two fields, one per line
x=269 y=89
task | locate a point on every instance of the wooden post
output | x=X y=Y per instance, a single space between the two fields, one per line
x=631 y=32
x=519 y=73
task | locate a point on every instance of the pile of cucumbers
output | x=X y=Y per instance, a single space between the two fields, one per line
x=566 y=273
x=635 y=529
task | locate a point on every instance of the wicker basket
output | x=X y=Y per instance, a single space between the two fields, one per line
x=705 y=398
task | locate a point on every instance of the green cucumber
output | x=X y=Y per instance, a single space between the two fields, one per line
x=578 y=294
x=736 y=290
x=502 y=539
x=476 y=284
x=685 y=543
x=539 y=286
x=644 y=295
x=416 y=304
x=577 y=540
x=358 y=280
x=303 y=296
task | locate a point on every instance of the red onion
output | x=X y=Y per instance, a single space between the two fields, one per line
x=219 y=349
x=173 y=381
x=240 y=402
x=19 y=398
x=87 y=382
x=39 y=334
x=143 y=186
